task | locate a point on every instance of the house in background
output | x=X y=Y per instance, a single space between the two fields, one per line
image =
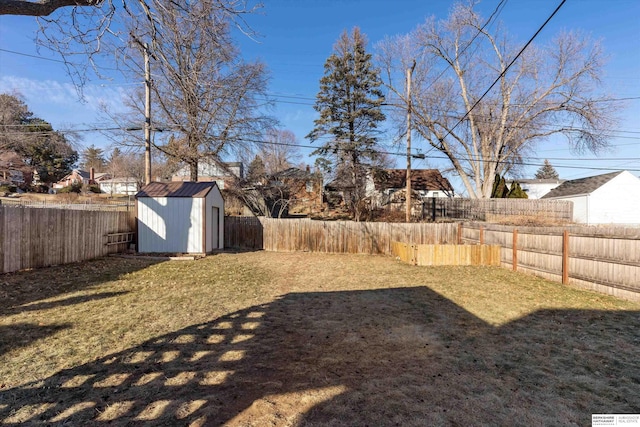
x=180 y=217
x=128 y=186
x=82 y=177
x=536 y=188
x=13 y=170
x=611 y=198
x=303 y=189
x=224 y=175
x=389 y=185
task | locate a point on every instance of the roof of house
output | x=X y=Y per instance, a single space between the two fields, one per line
x=421 y=179
x=176 y=189
x=536 y=181
x=293 y=173
x=123 y=180
x=581 y=186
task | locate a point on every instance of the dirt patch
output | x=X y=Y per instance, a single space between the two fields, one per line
x=308 y=339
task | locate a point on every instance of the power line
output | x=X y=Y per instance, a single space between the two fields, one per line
x=495 y=13
x=33 y=56
x=506 y=69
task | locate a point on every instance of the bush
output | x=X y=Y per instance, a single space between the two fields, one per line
x=40 y=188
x=9 y=188
x=73 y=188
x=94 y=188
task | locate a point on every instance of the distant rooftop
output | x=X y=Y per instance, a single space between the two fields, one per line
x=581 y=186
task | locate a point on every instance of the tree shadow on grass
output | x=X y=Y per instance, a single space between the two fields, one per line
x=404 y=356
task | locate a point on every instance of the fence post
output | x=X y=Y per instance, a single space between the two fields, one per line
x=515 y=249
x=481 y=235
x=459 y=233
x=565 y=257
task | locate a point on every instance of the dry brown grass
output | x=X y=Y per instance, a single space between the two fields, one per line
x=309 y=339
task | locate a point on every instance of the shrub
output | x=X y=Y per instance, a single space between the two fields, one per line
x=40 y=188
x=94 y=188
x=73 y=188
x=8 y=188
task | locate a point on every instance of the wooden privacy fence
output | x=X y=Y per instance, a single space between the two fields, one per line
x=447 y=254
x=598 y=258
x=89 y=205
x=331 y=236
x=436 y=208
x=32 y=238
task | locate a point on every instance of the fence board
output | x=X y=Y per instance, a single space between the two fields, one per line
x=32 y=238
x=431 y=255
x=492 y=209
x=605 y=259
x=330 y=236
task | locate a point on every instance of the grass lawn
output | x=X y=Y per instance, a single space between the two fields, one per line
x=309 y=339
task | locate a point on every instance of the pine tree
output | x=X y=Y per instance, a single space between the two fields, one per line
x=349 y=103
x=500 y=189
x=546 y=171
x=516 y=191
x=256 y=172
x=93 y=157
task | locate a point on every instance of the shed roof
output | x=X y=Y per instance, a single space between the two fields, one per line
x=176 y=189
x=581 y=186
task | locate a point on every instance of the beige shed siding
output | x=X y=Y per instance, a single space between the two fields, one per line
x=178 y=217
x=162 y=228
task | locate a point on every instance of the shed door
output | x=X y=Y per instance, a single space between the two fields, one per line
x=215 y=228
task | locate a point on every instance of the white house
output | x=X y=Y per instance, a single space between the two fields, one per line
x=209 y=170
x=611 y=198
x=388 y=186
x=128 y=186
x=536 y=188
x=180 y=217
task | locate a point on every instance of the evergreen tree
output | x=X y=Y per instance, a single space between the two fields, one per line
x=500 y=189
x=256 y=172
x=349 y=103
x=34 y=140
x=546 y=171
x=93 y=157
x=516 y=191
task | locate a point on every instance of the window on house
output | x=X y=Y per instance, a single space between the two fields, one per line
x=436 y=194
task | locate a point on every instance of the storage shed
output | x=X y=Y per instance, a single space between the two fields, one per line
x=611 y=198
x=180 y=217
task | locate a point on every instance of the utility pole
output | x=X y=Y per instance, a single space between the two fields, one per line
x=408 y=190
x=147 y=116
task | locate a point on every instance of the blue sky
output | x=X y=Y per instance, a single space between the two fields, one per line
x=296 y=37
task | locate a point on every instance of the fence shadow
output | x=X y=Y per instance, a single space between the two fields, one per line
x=22 y=334
x=21 y=291
x=404 y=356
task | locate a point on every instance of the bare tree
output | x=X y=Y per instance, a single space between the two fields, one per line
x=206 y=100
x=87 y=32
x=280 y=150
x=548 y=90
